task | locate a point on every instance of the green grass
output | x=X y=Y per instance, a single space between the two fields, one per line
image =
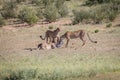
x=56 y=67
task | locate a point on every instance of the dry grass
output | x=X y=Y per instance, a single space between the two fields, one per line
x=72 y=63
x=99 y=61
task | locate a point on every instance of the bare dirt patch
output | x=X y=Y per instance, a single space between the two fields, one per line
x=14 y=42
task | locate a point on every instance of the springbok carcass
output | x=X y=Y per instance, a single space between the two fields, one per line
x=48 y=46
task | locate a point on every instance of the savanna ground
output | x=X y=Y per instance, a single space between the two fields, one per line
x=99 y=61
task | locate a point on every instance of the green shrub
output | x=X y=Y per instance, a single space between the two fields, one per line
x=79 y=16
x=109 y=25
x=9 y=9
x=1 y=21
x=19 y=1
x=8 y=14
x=105 y=12
x=59 y=3
x=37 y=2
x=62 y=8
x=96 y=31
x=109 y=11
x=96 y=15
x=28 y=15
x=47 y=2
x=50 y=27
x=112 y=16
x=51 y=13
x=92 y=2
x=63 y=11
x=51 y=9
x=40 y=13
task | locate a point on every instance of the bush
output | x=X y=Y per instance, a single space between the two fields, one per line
x=62 y=8
x=112 y=16
x=51 y=13
x=1 y=20
x=19 y=1
x=50 y=27
x=8 y=10
x=97 y=14
x=47 y=2
x=109 y=25
x=37 y=2
x=92 y=2
x=51 y=9
x=59 y=3
x=8 y=14
x=109 y=11
x=63 y=11
x=40 y=13
x=96 y=31
x=79 y=16
x=28 y=15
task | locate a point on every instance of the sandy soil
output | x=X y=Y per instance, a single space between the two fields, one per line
x=18 y=38
x=15 y=41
